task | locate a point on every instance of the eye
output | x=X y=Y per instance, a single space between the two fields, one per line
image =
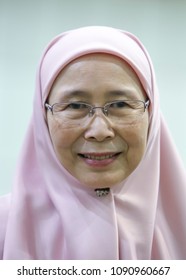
x=77 y=106
x=119 y=104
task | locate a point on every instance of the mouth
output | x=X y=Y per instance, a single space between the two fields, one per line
x=98 y=156
x=99 y=159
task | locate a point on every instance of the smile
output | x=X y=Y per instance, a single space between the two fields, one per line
x=99 y=156
x=99 y=159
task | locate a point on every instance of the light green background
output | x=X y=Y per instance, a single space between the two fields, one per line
x=27 y=26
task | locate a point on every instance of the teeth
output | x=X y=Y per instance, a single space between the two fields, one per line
x=98 y=157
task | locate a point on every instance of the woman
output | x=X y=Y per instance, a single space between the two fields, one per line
x=98 y=177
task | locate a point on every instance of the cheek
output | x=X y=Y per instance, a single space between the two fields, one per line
x=136 y=139
x=62 y=134
x=135 y=132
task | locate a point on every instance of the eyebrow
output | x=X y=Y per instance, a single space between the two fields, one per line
x=126 y=93
x=75 y=93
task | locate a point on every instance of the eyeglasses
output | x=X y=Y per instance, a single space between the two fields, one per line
x=125 y=111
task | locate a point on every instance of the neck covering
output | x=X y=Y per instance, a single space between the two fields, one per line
x=53 y=216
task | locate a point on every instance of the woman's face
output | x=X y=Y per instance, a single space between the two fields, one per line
x=99 y=152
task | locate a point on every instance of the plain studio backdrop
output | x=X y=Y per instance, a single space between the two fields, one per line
x=27 y=26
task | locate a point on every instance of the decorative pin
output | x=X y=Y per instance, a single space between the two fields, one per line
x=102 y=192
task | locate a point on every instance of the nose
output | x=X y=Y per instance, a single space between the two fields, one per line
x=99 y=129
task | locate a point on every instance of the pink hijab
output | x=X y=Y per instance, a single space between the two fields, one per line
x=51 y=215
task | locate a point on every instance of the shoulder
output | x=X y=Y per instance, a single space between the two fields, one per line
x=4 y=211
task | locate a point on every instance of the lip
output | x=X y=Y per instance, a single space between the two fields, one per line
x=99 y=159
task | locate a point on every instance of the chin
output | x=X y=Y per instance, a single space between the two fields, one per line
x=107 y=183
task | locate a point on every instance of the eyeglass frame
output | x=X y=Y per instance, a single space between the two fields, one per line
x=92 y=108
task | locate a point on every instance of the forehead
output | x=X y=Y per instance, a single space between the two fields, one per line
x=91 y=72
x=102 y=60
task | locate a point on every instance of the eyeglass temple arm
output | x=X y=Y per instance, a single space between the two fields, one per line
x=49 y=107
x=147 y=104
